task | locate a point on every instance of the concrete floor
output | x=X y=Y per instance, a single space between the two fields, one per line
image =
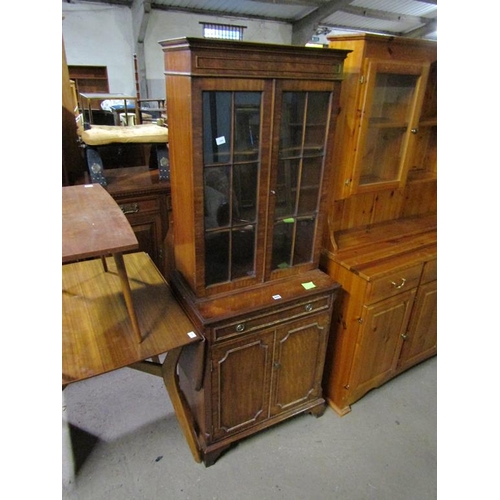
x=121 y=440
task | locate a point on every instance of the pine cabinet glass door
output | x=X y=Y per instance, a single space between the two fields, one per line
x=389 y=123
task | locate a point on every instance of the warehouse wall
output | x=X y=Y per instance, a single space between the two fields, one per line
x=103 y=35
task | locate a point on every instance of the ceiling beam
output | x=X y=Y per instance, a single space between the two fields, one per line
x=382 y=14
x=215 y=13
x=303 y=29
x=421 y=32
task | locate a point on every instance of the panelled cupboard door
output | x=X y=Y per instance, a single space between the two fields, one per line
x=391 y=96
x=241 y=383
x=380 y=341
x=298 y=362
x=420 y=340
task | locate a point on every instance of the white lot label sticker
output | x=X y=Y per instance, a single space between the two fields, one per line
x=220 y=140
x=276 y=297
x=191 y=335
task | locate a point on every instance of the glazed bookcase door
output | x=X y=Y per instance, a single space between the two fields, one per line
x=300 y=151
x=233 y=122
x=392 y=97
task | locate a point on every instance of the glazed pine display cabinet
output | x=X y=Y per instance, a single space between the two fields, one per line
x=381 y=240
x=251 y=132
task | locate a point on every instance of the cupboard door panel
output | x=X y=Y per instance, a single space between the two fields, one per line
x=380 y=340
x=298 y=362
x=421 y=337
x=240 y=383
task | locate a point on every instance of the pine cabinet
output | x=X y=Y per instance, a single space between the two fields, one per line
x=251 y=139
x=388 y=128
x=381 y=239
x=386 y=321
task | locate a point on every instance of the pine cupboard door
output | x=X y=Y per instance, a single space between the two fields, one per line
x=241 y=383
x=380 y=342
x=420 y=340
x=391 y=98
x=298 y=362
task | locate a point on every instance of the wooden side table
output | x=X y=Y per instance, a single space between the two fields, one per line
x=94 y=226
x=97 y=336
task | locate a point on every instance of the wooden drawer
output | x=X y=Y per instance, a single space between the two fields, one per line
x=139 y=206
x=394 y=283
x=273 y=317
x=430 y=271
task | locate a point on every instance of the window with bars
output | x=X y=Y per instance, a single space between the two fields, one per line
x=224 y=31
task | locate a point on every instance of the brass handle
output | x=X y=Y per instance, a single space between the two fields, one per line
x=414 y=130
x=401 y=285
x=404 y=336
x=130 y=208
x=240 y=327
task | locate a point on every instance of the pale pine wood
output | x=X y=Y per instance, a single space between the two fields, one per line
x=365 y=349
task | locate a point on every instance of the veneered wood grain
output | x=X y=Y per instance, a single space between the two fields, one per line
x=97 y=335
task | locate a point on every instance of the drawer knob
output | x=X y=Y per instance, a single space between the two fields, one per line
x=401 y=285
x=240 y=327
x=404 y=336
x=309 y=307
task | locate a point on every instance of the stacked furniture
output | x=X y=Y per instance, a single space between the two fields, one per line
x=251 y=138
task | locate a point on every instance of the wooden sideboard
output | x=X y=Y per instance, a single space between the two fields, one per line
x=386 y=321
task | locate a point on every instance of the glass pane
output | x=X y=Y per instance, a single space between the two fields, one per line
x=286 y=187
x=231 y=132
x=382 y=155
x=303 y=138
x=245 y=179
x=243 y=252
x=392 y=97
x=317 y=116
x=292 y=123
x=309 y=187
x=247 y=126
x=304 y=237
x=216 y=127
x=216 y=197
x=389 y=116
x=282 y=243
x=216 y=257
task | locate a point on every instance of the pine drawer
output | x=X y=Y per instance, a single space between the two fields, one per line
x=394 y=283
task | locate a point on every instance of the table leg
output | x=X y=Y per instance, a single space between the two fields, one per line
x=122 y=272
x=182 y=410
